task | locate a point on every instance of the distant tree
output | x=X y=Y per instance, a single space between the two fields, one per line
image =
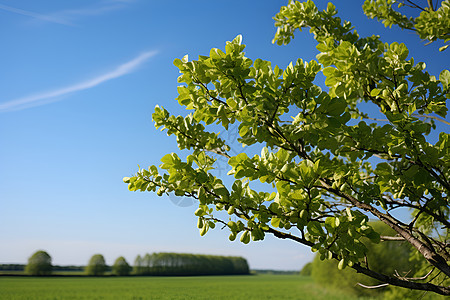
x=96 y=265
x=138 y=265
x=40 y=263
x=121 y=267
x=306 y=270
x=146 y=263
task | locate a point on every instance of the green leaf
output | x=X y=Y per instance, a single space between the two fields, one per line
x=200 y=223
x=245 y=237
x=283 y=187
x=199 y=212
x=221 y=190
x=444 y=78
x=375 y=92
x=275 y=222
x=204 y=230
x=322 y=47
x=232 y=103
x=243 y=129
x=329 y=71
x=314 y=228
x=443 y=47
x=216 y=53
x=201 y=193
x=167 y=159
x=282 y=155
x=238 y=39
x=178 y=62
x=341 y=264
x=331 y=222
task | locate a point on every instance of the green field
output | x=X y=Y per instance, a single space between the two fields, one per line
x=207 y=287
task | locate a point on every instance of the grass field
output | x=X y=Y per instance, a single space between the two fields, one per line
x=207 y=287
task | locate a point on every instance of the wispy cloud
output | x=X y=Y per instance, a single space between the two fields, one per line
x=69 y=16
x=42 y=17
x=44 y=98
x=72 y=15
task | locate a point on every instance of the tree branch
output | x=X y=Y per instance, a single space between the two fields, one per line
x=424 y=286
x=283 y=235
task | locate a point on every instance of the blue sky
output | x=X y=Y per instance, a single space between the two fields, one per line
x=79 y=82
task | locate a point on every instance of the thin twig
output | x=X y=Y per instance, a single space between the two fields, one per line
x=415 y=278
x=432 y=117
x=373 y=286
x=375 y=119
x=392 y=238
x=415 y=5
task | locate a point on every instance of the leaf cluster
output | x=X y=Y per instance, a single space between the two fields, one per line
x=431 y=24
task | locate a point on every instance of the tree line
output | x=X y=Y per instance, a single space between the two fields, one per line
x=159 y=264
x=189 y=264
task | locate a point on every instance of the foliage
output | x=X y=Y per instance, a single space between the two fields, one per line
x=121 y=267
x=190 y=264
x=40 y=263
x=209 y=287
x=432 y=23
x=96 y=266
x=327 y=158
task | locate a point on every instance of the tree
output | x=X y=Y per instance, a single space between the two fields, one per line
x=367 y=145
x=96 y=265
x=121 y=267
x=40 y=263
x=147 y=263
x=138 y=265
